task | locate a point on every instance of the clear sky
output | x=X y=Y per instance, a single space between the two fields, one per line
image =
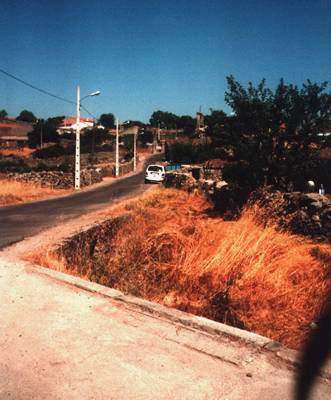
x=149 y=55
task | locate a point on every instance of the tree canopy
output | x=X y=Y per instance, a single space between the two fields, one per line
x=107 y=120
x=163 y=119
x=217 y=127
x=3 y=114
x=44 y=131
x=26 y=116
x=273 y=134
x=167 y=120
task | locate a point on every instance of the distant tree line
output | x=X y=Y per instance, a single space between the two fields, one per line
x=272 y=137
x=167 y=120
x=25 y=116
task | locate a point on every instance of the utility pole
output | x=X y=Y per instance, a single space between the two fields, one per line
x=77 y=153
x=116 y=151
x=41 y=134
x=134 y=151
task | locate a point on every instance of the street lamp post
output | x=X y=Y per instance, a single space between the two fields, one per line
x=77 y=152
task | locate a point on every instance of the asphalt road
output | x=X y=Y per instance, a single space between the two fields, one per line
x=25 y=220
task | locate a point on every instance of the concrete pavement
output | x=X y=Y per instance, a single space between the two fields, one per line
x=65 y=338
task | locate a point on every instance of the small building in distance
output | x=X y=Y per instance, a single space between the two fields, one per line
x=13 y=133
x=69 y=125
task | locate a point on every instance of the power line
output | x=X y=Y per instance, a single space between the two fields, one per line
x=45 y=92
x=85 y=109
x=36 y=88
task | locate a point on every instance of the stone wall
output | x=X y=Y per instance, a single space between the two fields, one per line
x=180 y=179
x=86 y=250
x=57 y=179
x=307 y=214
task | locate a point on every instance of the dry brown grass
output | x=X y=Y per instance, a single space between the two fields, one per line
x=13 y=192
x=17 y=152
x=175 y=252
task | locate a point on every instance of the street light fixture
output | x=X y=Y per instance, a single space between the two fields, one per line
x=91 y=94
x=77 y=153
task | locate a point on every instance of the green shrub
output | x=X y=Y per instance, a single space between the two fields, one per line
x=65 y=166
x=19 y=166
x=49 y=152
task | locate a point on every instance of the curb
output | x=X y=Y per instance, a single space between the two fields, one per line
x=216 y=329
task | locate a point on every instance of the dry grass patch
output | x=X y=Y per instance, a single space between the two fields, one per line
x=174 y=251
x=17 y=152
x=13 y=192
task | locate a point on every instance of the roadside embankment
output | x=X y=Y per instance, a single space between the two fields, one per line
x=169 y=247
x=307 y=214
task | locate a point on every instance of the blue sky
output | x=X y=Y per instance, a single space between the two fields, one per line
x=149 y=55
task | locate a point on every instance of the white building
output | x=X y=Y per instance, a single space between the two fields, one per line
x=69 y=125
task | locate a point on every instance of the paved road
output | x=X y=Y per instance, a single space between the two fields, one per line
x=25 y=220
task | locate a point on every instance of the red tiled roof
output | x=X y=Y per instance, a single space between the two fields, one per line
x=3 y=125
x=72 y=120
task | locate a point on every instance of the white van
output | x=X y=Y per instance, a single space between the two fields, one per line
x=154 y=173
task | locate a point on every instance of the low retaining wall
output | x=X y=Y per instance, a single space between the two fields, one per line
x=307 y=214
x=86 y=249
x=57 y=179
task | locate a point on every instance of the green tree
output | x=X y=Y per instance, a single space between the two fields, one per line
x=187 y=123
x=188 y=153
x=44 y=131
x=107 y=120
x=3 y=114
x=26 y=116
x=93 y=138
x=128 y=141
x=271 y=133
x=218 y=128
x=165 y=119
x=216 y=119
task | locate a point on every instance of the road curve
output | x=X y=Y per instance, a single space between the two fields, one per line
x=25 y=220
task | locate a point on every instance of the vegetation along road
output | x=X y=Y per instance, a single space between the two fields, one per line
x=25 y=220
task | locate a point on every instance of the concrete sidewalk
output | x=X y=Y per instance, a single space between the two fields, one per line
x=64 y=338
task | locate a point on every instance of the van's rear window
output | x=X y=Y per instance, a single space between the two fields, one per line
x=154 y=168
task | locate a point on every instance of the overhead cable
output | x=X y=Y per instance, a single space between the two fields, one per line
x=36 y=88
x=85 y=109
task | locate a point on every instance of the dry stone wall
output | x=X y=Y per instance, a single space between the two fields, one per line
x=86 y=251
x=57 y=179
x=307 y=214
x=180 y=180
